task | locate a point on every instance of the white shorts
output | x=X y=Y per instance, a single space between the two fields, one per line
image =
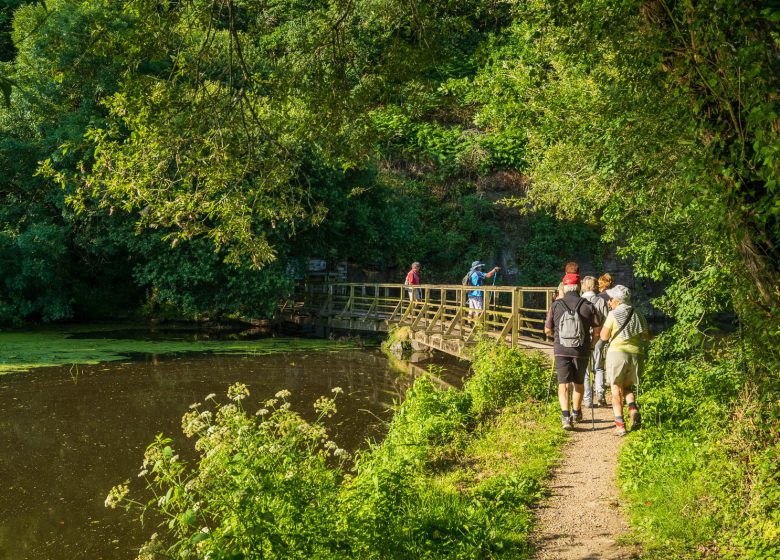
x=475 y=302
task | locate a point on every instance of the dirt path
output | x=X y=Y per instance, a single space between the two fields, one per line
x=581 y=520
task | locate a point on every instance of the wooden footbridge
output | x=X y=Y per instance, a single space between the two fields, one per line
x=438 y=316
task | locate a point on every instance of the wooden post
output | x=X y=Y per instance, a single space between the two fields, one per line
x=517 y=303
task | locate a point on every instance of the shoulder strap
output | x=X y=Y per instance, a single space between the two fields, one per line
x=576 y=307
x=623 y=326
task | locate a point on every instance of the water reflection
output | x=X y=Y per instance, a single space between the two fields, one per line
x=68 y=434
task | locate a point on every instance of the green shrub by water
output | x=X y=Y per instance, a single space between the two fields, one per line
x=708 y=454
x=452 y=479
x=503 y=376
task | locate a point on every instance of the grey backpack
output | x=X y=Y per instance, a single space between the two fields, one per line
x=571 y=330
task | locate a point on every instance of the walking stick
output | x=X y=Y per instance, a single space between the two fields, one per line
x=592 y=375
x=549 y=386
x=492 y=293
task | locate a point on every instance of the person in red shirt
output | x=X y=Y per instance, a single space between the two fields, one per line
x=413 y=279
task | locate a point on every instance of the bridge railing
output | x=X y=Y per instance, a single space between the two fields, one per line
x=511 y=313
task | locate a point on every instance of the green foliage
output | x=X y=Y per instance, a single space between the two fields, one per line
x=505 y=377
x=195 y=281
x=7 y=50
x=38 y=258
x=252 y=492
x=707 y=451
x=389 y=475
x=548 y=243
x=640 y=123
x=440 y=485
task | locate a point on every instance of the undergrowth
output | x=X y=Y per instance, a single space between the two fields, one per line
x=702 y=477
x=454 y=477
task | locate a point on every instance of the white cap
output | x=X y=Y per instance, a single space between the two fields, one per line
x=620 y=293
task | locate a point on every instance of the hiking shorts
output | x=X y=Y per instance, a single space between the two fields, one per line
x=571 y=370
x=475 y=302
x=623 y=368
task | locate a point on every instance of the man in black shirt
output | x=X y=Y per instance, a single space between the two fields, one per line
x=574 y=323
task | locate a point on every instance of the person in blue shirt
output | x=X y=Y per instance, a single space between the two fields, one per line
x=476 y=277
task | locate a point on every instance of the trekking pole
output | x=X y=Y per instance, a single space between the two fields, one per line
x=592 y=375
x=549 y=386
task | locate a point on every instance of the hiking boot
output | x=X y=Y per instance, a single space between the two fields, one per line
x=636 y=419
x=567 y=424
x=602 y=401
x=588 y=404
x=576 y=415
x=620 y=431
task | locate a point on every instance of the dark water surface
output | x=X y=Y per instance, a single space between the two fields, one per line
x=67 y=436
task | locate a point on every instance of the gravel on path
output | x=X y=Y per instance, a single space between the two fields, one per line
x=581 y=520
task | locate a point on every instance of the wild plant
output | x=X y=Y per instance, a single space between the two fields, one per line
x=264 y=485
x=503 y=376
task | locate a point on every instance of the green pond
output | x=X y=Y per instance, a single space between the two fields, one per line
x=70 y=432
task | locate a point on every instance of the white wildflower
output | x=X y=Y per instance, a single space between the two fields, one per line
x=325 y=406
x=117 y=494
x=237 y=392
x=337 y=390
x=341 y=453
x=283 y=394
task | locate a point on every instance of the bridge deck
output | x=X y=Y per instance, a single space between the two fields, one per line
x=437 y=315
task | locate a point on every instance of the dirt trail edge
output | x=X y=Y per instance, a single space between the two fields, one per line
x=581 y=519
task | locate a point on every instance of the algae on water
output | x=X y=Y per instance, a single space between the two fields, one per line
x=25 y=350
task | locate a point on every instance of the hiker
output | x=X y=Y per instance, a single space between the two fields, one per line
x=625 y=330
x=476 y=277
x=570 y=267
x=596 y=367
x=413 y=279
x=573 y=322
x=605 y=283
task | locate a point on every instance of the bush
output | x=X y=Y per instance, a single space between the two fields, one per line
x=263 y=487
x=503 y=377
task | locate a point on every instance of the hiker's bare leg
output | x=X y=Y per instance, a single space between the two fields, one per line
x=617 y=400
x=563 y=395
x=578 y=390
